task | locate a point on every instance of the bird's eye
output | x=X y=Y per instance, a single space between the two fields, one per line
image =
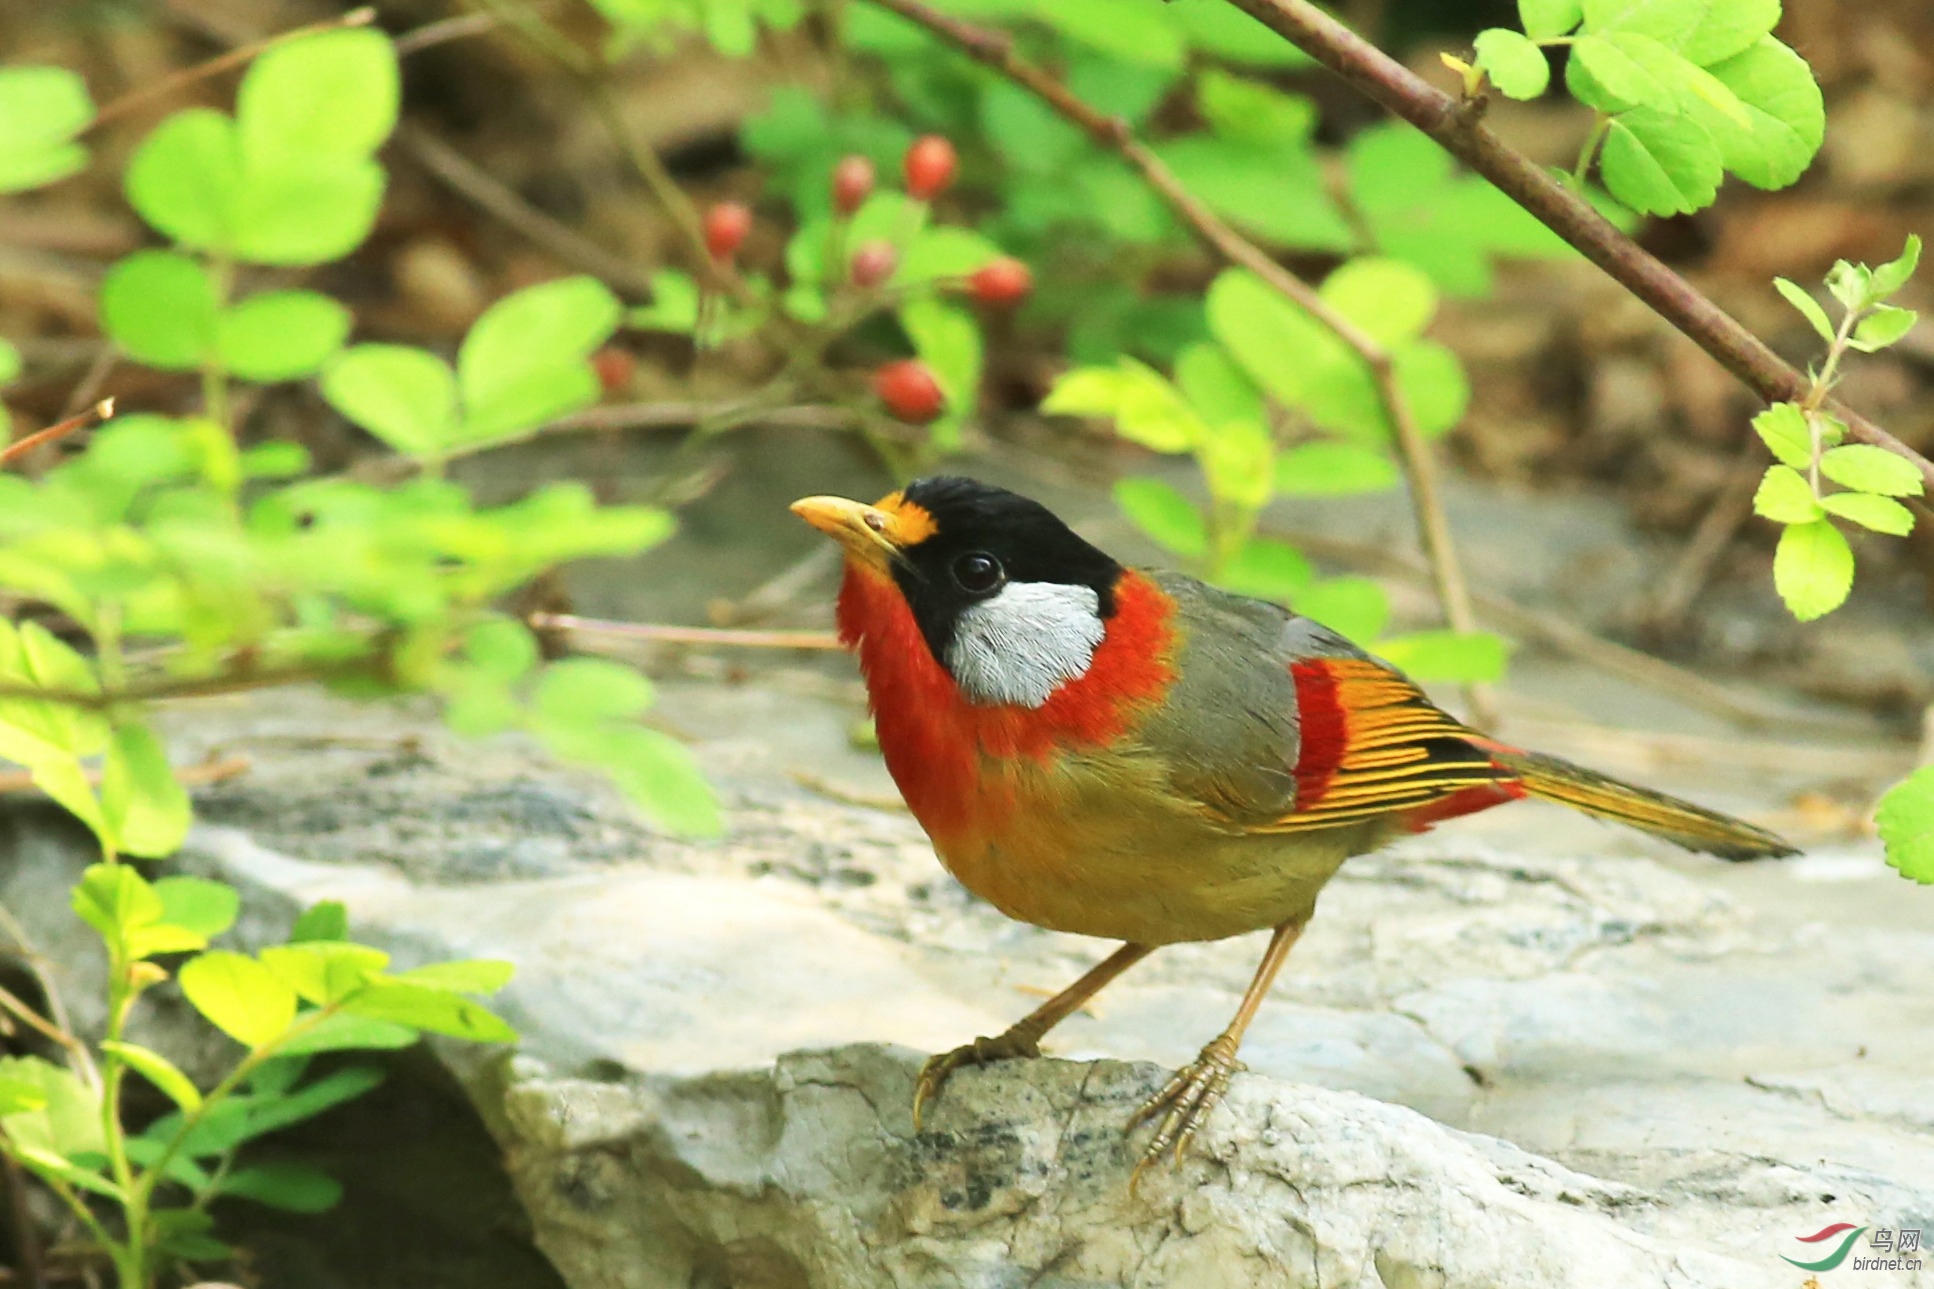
x=977 y=573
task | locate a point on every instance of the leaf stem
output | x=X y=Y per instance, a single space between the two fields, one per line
x=1601 y=126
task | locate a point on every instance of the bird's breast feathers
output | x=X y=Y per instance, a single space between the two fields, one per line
x=1036 y=684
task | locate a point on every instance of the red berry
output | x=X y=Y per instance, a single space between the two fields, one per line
x=615 y=369
x=910 y=392
x=873 y=264
x=726 y=225
x=852 y=181
x=929 y=165
x=1004 y=282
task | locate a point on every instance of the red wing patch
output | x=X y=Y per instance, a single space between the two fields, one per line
x=1372 y=745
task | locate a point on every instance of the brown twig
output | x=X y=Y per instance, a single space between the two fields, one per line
x=660 y=634
x=187 y=775
x=99 y=368
x=995 y=49
x=498 y=199
x=1455 y=125
x=444 y=30
x=94 y=415
x=187 y=76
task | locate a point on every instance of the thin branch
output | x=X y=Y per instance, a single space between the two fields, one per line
x=187 y=76
x=496 y=198
x=188 y=776
x=94 y=415
x=995 y=49
x=198 y=687
x=660 y=634
x=461 y=27
x=1456 y=126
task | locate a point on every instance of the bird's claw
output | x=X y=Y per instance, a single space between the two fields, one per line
x=982 y=1051
x=1183 y=1103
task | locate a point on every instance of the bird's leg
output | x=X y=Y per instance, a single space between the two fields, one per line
x=1186 y=1099
x=1024 y=1036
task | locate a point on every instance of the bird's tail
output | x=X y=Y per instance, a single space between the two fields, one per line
x=1679 y=822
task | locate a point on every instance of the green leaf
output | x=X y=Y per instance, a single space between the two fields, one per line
x=1622 y=70
x=661 y=778
x=332 y=94
x=947 y=339
x=158 y=1070
x=1884 y=327
x=1460 y=657
x=1882 y=514
x=1168 y=518
x=10 y=363
x=67 y=1119
x=1515 y=65
x=304 y=209
x=1893 y=275
x=1225 y=32
x=1550 y=19
x=280 y=335
x=469 y=976
x=160 y=307
x=239 y=996
x=198 y=904
x=294 y=1188
x=272 y=1114
x=1813 y=569
x=275 y=459
x=184 y=176
x=1277 y=194
x=1239 y=463
x=1785 y=497
x=1906 y=823
x=1391 y=300
x=115 y=899
x=1727 y=29
x=1330 y=469
x=341 y=1033
x=1785 y=114
x=434 y=1010
x=44 y=109
x=145 y=806
x=1783 y=428
x=525 y=361
x=1865 y=468
x=1667 y=21
x=1216 y=387
x=1797 y=296
x=324 y=971
x=1355 y=607
x=501 y=648
x=589 y=691
x=1146 y=408
x=1238 y=108
x=406 y=397
x=944 y=252
x=673 y=307
x=1661 y=163
x=327 y=920
x=1129 y=33
x=1270 y=570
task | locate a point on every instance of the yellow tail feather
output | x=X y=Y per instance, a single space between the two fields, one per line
x=1679 y=822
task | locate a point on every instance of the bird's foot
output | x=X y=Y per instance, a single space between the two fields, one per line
x=1184 y=1102
x=982 y=1051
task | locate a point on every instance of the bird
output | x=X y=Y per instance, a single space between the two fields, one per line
x=1135 y=755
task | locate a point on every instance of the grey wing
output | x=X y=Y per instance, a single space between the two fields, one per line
x=1229 y=729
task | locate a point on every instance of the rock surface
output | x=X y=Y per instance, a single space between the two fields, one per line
x=1593 y=1062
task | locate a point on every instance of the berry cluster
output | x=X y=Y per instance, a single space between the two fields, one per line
x=907 y=387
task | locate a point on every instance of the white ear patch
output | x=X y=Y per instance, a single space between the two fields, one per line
x=1025 y=643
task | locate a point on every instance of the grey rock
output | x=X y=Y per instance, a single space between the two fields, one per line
x=1596 y=1062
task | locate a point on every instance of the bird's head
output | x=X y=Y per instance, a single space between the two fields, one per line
x=1005 y=596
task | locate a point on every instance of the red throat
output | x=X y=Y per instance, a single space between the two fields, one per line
x=935 y=741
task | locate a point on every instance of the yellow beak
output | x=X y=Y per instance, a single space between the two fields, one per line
x=865 y=531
